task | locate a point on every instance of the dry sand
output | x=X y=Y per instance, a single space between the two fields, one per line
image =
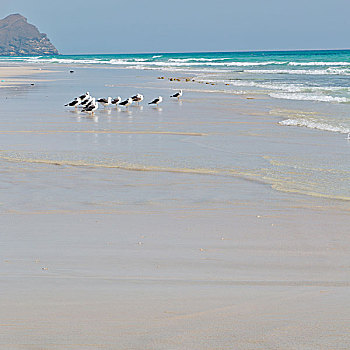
x=190 y=279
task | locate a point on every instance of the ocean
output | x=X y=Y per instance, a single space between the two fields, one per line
x=322 y=77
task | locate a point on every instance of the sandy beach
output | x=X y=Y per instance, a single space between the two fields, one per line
x=200 y=224
x=11 y=76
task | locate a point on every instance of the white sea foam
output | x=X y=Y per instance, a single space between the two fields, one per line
x=328 y=71
x=247 y=64
x=197 y=63
x=119 y=61
x=285 y=87
x=268 y=86
x=197 y=59
x=313 y=124
x=173 y=62
x=220 y=62
x=319 y=63
x=309 y=97
x=213 y=61
x=63 y=60
x=19 y=58
x=301 y=92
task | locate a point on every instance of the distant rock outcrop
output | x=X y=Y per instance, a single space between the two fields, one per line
x=19 y=38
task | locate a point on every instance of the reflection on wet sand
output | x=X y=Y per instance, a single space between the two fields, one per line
x=141 y=132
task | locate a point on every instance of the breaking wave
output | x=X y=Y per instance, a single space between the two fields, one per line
x=310 y=97
x=328 y=71
x=313 y=124
x=319 y=63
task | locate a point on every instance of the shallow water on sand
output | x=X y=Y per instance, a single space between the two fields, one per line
x=224 y=136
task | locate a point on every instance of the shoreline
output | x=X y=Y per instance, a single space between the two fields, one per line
x=264 y=110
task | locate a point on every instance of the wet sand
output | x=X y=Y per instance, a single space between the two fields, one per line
x=99 y=254
x=16 y=75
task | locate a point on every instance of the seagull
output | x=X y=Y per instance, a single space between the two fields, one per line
x=105 y=102
x=86 y=101
x=137 y=98
x=156 y=101
x=75 y=103
x=85 y=96
x=92 y=107
x=177 y=94
x=348 y=138
x=126 y=103
x=79 y=100
x=91 y=101
x=116 y=101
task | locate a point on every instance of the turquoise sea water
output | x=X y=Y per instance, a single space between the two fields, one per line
x=321 y=77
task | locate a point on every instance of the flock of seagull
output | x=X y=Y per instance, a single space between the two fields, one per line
x=90 y=104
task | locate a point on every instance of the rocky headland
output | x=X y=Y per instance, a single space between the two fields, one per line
x=20 y=38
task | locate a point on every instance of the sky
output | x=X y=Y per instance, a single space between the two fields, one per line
x=113 y=26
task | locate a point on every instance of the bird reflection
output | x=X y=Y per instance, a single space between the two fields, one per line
x=127 y=112
x=75 y=111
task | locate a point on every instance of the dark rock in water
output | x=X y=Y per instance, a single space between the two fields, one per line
x=19 y=38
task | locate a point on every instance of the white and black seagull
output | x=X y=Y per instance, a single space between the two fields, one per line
x=126 y=103
x=85 y=96
x=116 y=101
x=88 y=99
x=78 y=100
x=156 y=101
x=91 y=101
x=177 y=94
x=137 y=98
x=75 y=103
x=92 y=107
x=105 y=101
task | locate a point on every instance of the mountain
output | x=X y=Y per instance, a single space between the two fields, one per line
x=19 y=38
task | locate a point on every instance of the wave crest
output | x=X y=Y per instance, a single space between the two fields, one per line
x=312 y=124
x=309 y=97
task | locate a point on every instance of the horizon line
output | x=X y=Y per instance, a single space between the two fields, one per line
x=194 y=52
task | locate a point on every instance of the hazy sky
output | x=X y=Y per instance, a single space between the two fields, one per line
x=113 y=26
